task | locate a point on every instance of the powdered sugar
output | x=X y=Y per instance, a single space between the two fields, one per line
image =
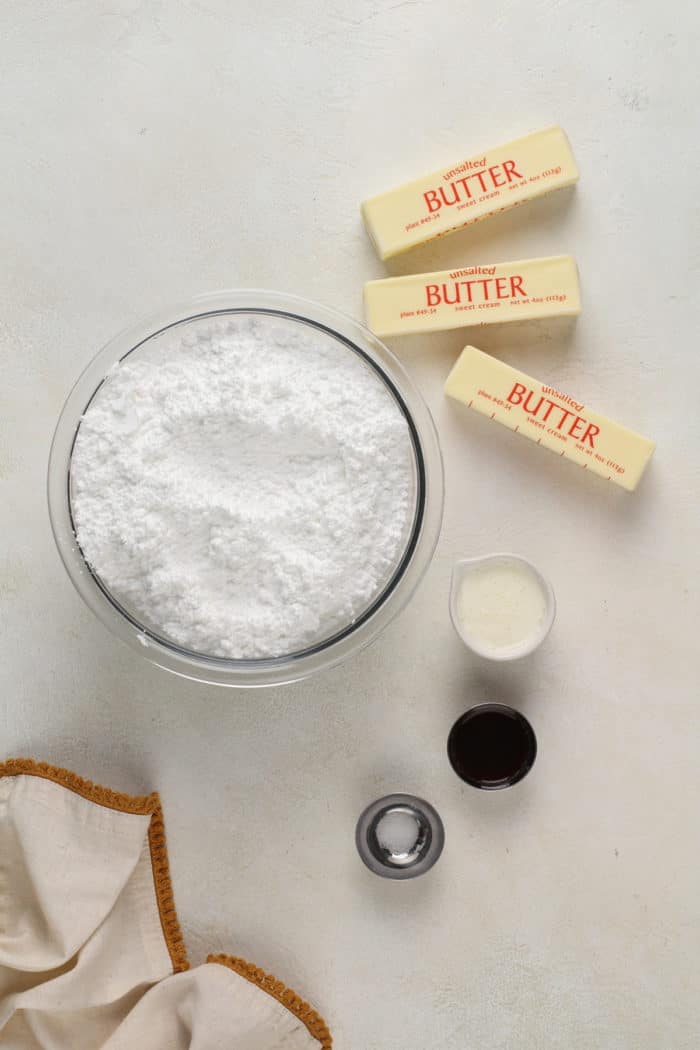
x=245 y=486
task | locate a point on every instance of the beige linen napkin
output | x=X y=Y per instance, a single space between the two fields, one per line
x=91 y=955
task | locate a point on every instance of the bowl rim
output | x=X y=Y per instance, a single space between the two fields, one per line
x=398 y=589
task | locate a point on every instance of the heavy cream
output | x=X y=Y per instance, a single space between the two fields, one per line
x=501 y=606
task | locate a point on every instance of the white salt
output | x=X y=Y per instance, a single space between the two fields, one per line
x=398 y=832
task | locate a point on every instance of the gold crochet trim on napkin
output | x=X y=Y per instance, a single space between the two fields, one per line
x=143 y=805
x=149 y=805
x=313 y=1021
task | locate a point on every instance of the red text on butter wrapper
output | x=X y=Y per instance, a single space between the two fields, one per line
x=464 y=188
x=543 y=408
x=475 y=291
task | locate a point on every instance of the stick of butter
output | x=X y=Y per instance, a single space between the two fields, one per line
x=549 y=417
x=475 y=295
x=470 y=190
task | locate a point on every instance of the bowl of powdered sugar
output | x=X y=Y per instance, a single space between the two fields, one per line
x=246 y=489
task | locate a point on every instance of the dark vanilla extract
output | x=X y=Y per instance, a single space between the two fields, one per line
x=492 y=746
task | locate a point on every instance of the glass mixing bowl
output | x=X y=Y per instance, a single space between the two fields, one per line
x=421 y=533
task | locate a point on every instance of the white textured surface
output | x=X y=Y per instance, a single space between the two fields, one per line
x=152 y=150
x=247 y=491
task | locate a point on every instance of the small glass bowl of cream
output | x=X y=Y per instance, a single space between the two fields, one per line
x=501 y=605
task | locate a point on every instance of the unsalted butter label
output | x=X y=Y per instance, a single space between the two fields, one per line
x=549 y=417
x=468 y=191
x=474 y=295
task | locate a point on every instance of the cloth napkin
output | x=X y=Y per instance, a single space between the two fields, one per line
x=91 y=954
